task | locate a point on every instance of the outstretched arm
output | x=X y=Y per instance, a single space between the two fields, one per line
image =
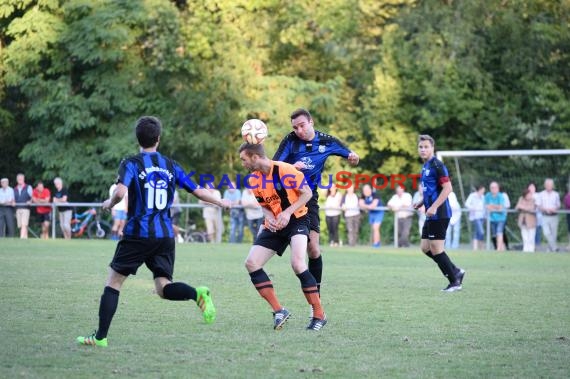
x=205 y=195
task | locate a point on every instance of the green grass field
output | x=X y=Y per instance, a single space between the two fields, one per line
x=387 y=316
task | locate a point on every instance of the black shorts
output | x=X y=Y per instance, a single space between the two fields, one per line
x=157 y=254
x=278 y=241
x=435 y=229
x=314 y=219
x=44 y=217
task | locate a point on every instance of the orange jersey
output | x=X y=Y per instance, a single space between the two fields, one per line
x=278 y=190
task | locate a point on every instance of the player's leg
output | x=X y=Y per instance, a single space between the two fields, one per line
x=267 y=244
x=432 y=245
x=308 y=282
x=314 y=249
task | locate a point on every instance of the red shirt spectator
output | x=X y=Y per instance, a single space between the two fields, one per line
x=41 y=195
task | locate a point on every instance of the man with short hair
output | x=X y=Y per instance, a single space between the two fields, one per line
x=150 y=179
x=23 y=196
x=61 y=197
x=42 y=195
x=6 y=209
x=548 y=202
x=401 y=205
x=308 y=149
x=279 y=189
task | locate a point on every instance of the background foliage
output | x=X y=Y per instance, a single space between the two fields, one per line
x=75 y=75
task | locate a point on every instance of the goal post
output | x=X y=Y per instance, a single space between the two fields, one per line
x=512 y=169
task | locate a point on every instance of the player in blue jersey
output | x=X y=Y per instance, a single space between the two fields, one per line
x=308 y=149
x=436 y=188
x=150 y=180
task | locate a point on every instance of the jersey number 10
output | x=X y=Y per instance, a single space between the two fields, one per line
x=156 y=197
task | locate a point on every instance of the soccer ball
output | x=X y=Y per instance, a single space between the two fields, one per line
x=254 y=131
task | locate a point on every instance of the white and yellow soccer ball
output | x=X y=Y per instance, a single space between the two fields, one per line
x=254 y=131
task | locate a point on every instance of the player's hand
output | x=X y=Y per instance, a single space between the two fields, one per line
x=283 y=220
x=300 y=165
x=106 y=205
x=431 y=211
x=272 y=224
x=353 y=158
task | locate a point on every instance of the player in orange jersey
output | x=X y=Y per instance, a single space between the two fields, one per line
x=283 y=193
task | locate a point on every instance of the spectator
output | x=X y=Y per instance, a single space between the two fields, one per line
x=507 y=206
x=475 y=203
x=253 y=212
x=527 y=219
x=538 y=235
x=495 y=204
x=421 y=211
x=213 y=218
x=567 y=207
x=42 y=195
x=61 y=197
x=401 y=205
x=548 y=201
x=236 y=213
x=351 y=210
x=369 y=202
x=453 y=234
x=119 y=214
x=7 y=203
x=175 y=213
x=23 y=196
x=332 y=213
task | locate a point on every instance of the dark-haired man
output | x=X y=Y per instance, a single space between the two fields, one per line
x=308 y=149
x=150 y=180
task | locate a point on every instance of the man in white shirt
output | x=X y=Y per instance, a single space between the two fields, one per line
x=454 y=227
x=548 y=202
x=401 y=204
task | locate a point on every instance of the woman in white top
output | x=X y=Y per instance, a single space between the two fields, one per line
x=332 y=213
x=351 y=215
x=476 y=204
x=253 y=212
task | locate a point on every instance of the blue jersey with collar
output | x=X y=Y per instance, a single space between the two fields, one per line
x=151 y=179
x=434 y=175
x=312 y=153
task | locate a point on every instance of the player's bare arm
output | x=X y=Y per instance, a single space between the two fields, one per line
x=205 y=195
x=445 y=191
x=120 y=192
x=305 y=195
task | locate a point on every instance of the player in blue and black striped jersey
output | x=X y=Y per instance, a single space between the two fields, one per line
x=308 y=149
x=150 y=180
x=436 y=188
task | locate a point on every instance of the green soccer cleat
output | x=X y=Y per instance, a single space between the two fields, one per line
x=92 y=341
x=204 y=302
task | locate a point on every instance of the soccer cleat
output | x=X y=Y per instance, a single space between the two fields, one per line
x=317 y=323
x=452 y=287
x=92 y=341
x=204 y=302
x=280 y=317
x=460 y=275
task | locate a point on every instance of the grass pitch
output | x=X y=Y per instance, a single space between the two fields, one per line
x=387 y=316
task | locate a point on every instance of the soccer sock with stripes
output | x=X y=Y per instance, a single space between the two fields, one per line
x=309 y=287
x=316 y=269
x=107 y=308
x=445 y=265
x=264 y=286
x=179 y=291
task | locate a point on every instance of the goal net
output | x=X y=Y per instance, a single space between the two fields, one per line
x=513 y=170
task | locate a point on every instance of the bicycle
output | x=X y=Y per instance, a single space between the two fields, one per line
x=190 y=234
x=89 y=221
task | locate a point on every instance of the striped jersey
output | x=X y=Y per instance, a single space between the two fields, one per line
x=312 y=153
x=434 y=175
x=151 y=179
x=278 y=190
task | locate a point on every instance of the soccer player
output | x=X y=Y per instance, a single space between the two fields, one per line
x=436 y=188
x=308 y=149
x=150 y=179
x=283 y=194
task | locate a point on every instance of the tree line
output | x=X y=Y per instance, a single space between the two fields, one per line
x=75 y=75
